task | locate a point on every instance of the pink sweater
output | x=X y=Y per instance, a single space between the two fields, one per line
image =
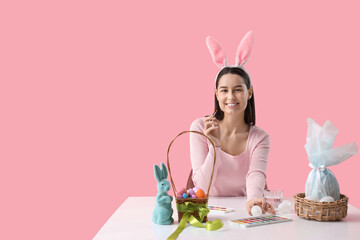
x=241 y=175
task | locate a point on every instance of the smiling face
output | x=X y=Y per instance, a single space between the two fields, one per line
x=232 y=94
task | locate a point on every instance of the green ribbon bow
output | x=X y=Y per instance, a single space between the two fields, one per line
x=188 y=208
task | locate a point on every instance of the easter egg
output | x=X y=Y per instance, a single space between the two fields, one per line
x=285 y=207
x=200 y=194
x=191 y=192
x=185 y=195
x=179 y=196
x=182 y=191
x=193 y=196
x=327 y=199
x=285 y=204
x=256 y=211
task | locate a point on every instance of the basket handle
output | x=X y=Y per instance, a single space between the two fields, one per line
x=168 y=162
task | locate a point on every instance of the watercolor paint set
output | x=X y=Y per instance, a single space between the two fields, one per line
x=222 y=210
x=258 y=221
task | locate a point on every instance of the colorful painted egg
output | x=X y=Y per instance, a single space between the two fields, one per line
x=179 y=196
x=193 y=196
x=191 y=192
x=185 y=195
x=182 y=191
x=200 y=194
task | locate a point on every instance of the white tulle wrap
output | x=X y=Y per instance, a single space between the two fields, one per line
x=321 y=181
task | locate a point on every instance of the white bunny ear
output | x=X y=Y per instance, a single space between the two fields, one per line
x=217 y=52
x=244 y=49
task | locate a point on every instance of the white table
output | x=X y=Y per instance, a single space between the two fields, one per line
x=133 y=220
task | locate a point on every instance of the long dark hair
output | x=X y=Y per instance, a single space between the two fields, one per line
x=249 y=115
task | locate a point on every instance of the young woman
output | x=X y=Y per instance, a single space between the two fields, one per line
x=241 y=148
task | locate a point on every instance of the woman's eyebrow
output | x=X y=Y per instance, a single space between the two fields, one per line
x=234 y=86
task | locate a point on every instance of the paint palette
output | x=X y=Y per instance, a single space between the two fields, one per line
x=258 y=221
x=222 y=210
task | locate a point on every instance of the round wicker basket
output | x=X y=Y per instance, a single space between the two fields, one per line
x=193 y=200
x=321 y=211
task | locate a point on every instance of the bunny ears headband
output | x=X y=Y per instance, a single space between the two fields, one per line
x=242 y=53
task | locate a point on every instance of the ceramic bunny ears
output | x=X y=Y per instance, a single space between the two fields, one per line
x=242 y=53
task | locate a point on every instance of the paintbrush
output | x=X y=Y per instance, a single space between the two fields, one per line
x=215 y=113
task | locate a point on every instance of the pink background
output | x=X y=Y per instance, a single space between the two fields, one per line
x=92 y=92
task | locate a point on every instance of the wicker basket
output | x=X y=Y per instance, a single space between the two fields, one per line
x=193 y=200
x=321 y=211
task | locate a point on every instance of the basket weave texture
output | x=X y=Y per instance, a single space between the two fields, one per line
x=321 y=211
x=193 y=200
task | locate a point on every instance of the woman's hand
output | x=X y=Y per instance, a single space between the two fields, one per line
x=265 y=206
x=212 y=130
